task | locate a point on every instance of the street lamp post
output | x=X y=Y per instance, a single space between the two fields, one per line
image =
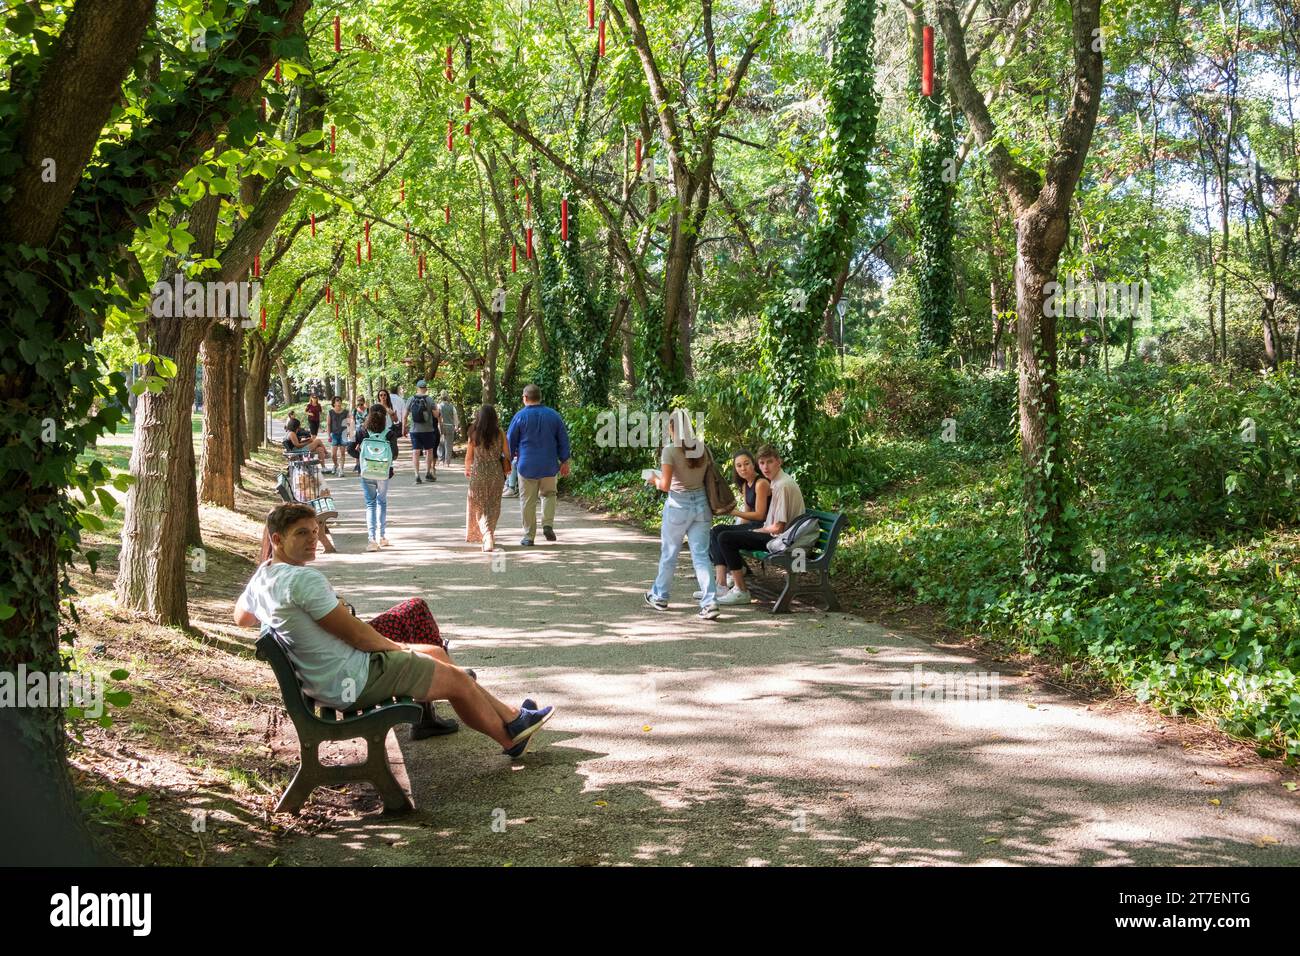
x=841 y=307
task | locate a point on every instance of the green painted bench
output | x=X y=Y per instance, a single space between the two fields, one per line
x=817 y=561
x=372 y=724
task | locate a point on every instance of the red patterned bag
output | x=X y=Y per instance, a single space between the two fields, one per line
x=410 y=622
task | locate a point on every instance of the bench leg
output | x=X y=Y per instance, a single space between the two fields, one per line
x=380 y=774
x=782 y=605
x=832 y=602
x=310 y=775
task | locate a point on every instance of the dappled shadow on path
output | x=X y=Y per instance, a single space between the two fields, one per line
x=753 y=740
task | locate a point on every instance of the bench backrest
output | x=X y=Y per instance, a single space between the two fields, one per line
x=830 y=523
x=301 y=708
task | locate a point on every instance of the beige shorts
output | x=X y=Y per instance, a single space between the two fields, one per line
x=396 y=674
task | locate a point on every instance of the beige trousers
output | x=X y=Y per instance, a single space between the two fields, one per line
x=529 y=489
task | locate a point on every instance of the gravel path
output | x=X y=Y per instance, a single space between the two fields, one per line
x=752 y=740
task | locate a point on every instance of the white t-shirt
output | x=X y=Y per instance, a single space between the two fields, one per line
x=291 y=599
x=787 y=500
x=399 y=405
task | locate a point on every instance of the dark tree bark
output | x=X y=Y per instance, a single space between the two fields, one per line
x=1040 y=206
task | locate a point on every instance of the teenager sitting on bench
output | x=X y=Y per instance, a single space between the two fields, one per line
x=298 y=439
x=349 y=664
x=786 y=504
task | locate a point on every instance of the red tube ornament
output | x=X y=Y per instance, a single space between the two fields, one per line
x=257 y=264
x=564 y=220
x=421 y=267
x=478 y=318
x=528 y=242
x=367 y=230
x=358 y=253
x=447 y=210
x=514 y=257
x=368 y=256
x=591 y=14
x=450 y=141
x=313 y=225
x=638 y=156
x=601 y=42
x=927 y=61
x=263 y=317
x=279 y=77
x=329 y=295
x=338 y=36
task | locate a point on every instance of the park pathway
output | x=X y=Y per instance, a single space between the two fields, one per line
x=750 y=740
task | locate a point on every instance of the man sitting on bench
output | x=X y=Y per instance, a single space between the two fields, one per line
x=786 y=505
x=344 y=662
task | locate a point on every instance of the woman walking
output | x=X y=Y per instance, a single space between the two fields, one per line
x=686 y=514
x=485 y=458
x=313 y=414
x=375 y=490
x=385 y=401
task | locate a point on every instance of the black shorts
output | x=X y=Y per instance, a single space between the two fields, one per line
x=424 y=441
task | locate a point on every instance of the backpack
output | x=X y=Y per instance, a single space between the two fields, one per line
x=802 y=533
x=722 y=499
x=376 y=458
x=419 y=409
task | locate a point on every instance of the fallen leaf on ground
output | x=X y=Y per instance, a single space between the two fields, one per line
x=601 y=803
x=988 y=840
x=1290 y=786
x=646 y=728
x=1215 y=801
x=1265 y=841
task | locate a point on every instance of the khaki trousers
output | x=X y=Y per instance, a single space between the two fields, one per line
x=529 y=489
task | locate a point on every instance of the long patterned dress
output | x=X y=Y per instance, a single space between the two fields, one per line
x=486 y=479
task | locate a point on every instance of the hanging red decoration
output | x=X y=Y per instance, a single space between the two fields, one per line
x=313 y=225
x=528 y=242
x=466 y=102
x=448 y=73
x=358 y=253
x=467 y=127
x=638 y=155
x=601 y=42
x=564 y=220
x=257 y=265
x=368 y=256
x=927 y=61
x=451 y=144
x=331 y=138
x=447 y=210
x=338 y=36
x=263 y=317
x=591 y=14
x=421 y=268
x=336 y=310
x=478 y=318
x=367 y=230
x=514 y=257
x=279 y=77
x=329 y=295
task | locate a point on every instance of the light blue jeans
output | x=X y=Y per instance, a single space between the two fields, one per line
x=376 y=493
x=686 y=514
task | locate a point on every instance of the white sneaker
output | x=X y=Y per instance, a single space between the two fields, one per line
x=383 y=543
x=699 y=594
x=372 y=545
x=733 y=597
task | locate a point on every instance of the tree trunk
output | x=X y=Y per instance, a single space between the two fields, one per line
x=256 y=382
x=286 y=386
x=220 y=416
x=151 y=575
x=1038 y=248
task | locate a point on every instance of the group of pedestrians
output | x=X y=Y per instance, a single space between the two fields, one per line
x=351 y=664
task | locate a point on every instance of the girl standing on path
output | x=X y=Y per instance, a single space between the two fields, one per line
x=376 y=491
x=485 y=458
x=683 y=465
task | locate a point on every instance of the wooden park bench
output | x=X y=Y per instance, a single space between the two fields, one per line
x=316 y=724
x=816 y=561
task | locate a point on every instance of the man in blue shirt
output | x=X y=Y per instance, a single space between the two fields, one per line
x=540 y=443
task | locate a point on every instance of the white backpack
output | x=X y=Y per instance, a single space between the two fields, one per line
x=802 y=533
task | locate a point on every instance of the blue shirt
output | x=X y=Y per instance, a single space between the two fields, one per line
x=539 y=440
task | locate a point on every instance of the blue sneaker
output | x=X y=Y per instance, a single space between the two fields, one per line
x=522 y=728
x=529 y=704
